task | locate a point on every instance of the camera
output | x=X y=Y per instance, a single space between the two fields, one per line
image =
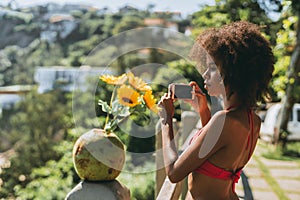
x=181 y=91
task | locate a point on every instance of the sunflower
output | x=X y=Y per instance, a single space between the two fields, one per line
x=127 y=96
x=137 y=83
x=150 y=101
x=114 y=80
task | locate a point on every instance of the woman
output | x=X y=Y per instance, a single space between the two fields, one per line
x=238 y=68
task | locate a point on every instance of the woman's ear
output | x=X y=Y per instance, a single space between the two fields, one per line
x=220 y=79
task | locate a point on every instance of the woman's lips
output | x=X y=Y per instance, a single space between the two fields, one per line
x=206 y=85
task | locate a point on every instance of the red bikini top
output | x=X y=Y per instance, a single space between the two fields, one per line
x=211 y=170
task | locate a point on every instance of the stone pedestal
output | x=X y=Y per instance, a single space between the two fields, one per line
x=106 y=190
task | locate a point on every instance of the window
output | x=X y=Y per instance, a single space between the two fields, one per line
x=298 y=115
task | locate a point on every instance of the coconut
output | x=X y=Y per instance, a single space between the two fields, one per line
x=98 y=156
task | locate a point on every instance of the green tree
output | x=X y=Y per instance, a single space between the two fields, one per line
x=226 y=11
x=39 y=121
x=55 y=179
x=292 y=89
x=128 y=22
x=18 y=64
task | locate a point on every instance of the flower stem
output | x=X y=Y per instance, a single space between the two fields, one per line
x=121 y=120
x=110 y=105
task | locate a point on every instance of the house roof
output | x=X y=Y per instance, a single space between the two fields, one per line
x=15 y=89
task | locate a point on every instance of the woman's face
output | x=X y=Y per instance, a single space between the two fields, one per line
x=213 y=80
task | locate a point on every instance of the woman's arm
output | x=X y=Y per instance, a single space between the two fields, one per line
x=200 y=104
x=204 y=113
x=170 y=153
x=166 y=112
x=178 y=167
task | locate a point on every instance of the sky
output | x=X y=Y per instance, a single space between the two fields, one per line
x=184 y=6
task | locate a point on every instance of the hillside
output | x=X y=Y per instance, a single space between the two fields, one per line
x=63 y=35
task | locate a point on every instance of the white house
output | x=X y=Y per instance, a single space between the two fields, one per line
x=10 y=95
x=65 y=78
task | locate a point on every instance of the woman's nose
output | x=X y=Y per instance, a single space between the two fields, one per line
x=205 y=74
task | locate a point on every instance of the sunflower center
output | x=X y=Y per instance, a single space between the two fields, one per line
x=127 y=100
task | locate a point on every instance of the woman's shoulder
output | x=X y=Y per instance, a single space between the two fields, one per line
x=233 y=120
x=224 y=116
x=217 y=122
x=241 y=120
x=219 y=114
x=229 y=120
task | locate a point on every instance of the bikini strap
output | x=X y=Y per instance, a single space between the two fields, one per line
x=230 y=107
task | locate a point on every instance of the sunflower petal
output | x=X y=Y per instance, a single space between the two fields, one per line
x=150 y=101
x=137 y=82
x=114 y=80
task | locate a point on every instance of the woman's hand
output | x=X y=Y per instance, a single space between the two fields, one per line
x=166 y=108
x=199 y=102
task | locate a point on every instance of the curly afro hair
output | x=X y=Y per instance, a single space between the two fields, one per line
x=243 y=56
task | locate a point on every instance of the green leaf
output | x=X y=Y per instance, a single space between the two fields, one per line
x=141 y=118
x=105 y=107
x=124 y=111
x=139 y=108
x=119 y=110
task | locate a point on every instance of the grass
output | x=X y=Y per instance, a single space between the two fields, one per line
x=270 y=180
x=275 y=152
